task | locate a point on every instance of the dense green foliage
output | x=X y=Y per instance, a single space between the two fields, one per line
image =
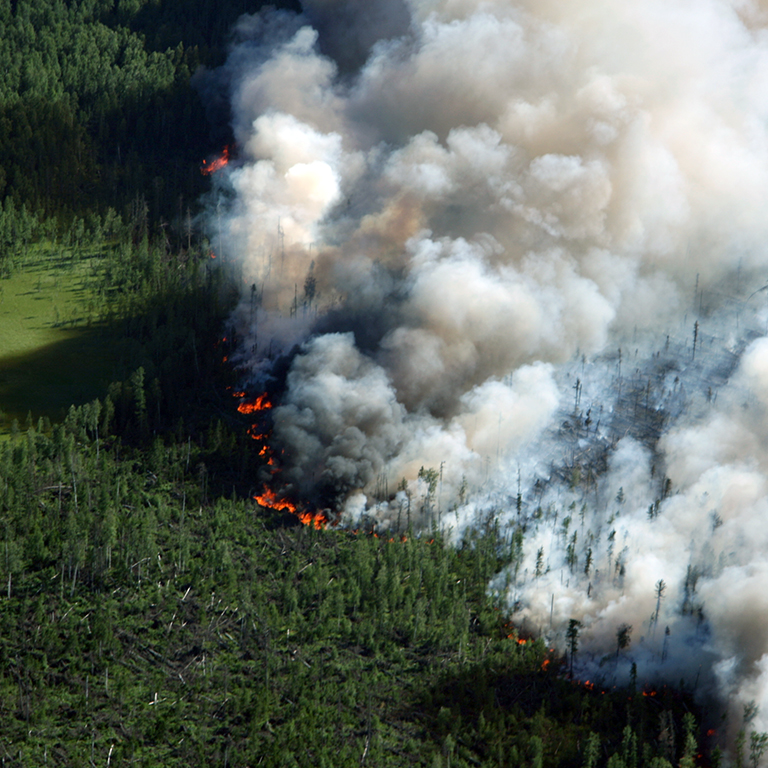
x=97 y=106
x=152 y=612
x=148 y=618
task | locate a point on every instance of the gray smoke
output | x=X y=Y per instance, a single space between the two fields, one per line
x=522 y=245
x=349 y=29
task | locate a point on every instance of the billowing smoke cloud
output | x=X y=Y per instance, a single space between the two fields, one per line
x=349 y=29
x=510 y=255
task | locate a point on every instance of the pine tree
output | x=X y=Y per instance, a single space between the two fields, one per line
x=572 y=637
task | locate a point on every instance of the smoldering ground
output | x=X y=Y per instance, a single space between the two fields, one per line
x=522 y=245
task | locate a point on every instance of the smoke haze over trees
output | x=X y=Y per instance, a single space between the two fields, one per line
x=538 y=249
x=500 y=268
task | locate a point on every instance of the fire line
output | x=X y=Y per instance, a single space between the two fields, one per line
x=207 y=169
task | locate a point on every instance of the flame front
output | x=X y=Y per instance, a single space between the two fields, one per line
x=207 y=169
x=261 y=403
x=317 y=519
x=269 y=499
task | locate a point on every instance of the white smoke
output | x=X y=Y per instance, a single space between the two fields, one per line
x=520 y=246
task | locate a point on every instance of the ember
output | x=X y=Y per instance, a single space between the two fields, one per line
x=254 y=434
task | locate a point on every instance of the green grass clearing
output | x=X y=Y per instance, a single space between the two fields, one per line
x=52 y=351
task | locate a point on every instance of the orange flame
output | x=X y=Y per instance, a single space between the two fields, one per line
x=316 y=519
x=269 y=499
x=261 y=403
x=545 y=663
x=207 y=169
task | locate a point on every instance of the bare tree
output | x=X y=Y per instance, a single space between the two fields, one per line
x=661 y=588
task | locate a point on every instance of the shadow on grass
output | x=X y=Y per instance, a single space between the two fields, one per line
x=72 y=371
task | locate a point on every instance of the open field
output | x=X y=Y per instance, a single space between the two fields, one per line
x=52 y=351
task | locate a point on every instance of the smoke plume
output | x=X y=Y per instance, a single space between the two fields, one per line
x=510 y=257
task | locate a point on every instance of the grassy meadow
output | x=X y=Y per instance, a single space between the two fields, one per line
x=53 y=353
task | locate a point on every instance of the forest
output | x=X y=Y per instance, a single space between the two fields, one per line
x=153 y=612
